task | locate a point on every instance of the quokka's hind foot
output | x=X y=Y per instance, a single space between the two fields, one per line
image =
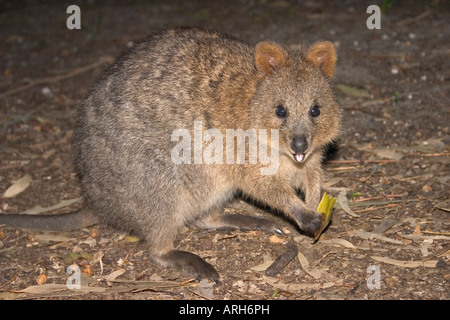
x=189 y=263
x=237 y=221
x=194 y=266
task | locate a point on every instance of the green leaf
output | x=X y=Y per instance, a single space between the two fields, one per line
x=70 y=258
x=325 y=208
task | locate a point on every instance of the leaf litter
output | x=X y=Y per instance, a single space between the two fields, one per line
x=320 y=278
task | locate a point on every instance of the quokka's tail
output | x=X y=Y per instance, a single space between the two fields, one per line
x=50 y=222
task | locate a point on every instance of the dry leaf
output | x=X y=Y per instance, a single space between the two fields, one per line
x=39 y=210
x=340 y=242
x=313 y=272
x=262 y=267
x=241 y=286
x=354 y=92
x=41 y=279
x=295 y=287
x=424 y=249
x=371 y=236
x=5 y=295
x=87 y=270
x=430 y=146
x=18 y=186
x=206 y=288
x=113 y=275
x=275 y=239
x=388 y=154
x=417 y=231
x=48 y=237
x=95 y=232
x=45 y=288
x=56 y=287
x=385 y=225
x=342 y=200
x=407 y=264
x=91 y=242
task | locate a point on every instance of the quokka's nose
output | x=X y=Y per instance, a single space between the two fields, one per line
x=299 y=145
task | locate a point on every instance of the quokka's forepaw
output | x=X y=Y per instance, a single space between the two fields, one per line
x=310 y=222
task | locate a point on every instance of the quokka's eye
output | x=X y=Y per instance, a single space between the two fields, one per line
x=315 y=111
x=280 y=111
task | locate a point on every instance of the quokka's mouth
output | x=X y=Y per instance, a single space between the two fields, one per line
x=299 y=157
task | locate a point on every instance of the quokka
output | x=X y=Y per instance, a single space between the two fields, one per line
x=122 y=141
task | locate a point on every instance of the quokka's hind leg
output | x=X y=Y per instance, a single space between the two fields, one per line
x=224 y=221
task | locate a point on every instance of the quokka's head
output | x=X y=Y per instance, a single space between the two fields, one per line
x=294 y=96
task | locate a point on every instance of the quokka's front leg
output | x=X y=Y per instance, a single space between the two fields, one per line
x=312 y=186
x=282 y=197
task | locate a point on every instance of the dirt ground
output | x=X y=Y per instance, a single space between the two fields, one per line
x=389 y=238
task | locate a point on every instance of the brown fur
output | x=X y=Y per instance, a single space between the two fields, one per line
x=122 y=141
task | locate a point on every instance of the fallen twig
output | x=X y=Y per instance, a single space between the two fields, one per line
x=437 y=233
x=72 y=73
x=421 y=16
x=391 y=205
x=386 y=196
x=8 y=282
x=441 y=154
x=420 y=238
x=354 y=204
x=342 y=168
x=379 y=57
x=361 y=161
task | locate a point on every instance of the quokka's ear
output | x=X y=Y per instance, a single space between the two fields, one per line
x=269 y=57
x=323 y=55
